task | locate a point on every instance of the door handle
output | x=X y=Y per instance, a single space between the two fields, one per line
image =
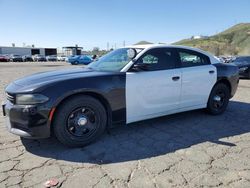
x=175 y=78
x=211 y=71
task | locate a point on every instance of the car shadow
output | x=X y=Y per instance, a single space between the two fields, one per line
x=153 y=137
x=243 y=78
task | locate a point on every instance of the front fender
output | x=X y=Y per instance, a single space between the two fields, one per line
x=109 y=87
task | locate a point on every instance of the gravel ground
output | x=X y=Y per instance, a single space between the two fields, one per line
x=191 y=149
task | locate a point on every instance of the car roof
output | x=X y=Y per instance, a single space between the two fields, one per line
x=152 y=46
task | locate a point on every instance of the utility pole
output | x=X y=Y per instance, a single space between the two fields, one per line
x=107 y=46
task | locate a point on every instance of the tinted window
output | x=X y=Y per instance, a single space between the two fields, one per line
x=189 y=58
x=159 y=59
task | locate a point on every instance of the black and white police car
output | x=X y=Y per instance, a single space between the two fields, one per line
x=126 y=85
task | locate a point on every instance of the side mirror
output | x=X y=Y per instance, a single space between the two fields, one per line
x=140 y=67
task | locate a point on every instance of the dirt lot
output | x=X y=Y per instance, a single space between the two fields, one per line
x=190 y=149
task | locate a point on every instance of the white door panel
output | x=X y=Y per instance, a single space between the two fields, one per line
x=151 y=93
x=197 y=83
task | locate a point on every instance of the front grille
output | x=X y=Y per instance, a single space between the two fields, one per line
x=10 y=97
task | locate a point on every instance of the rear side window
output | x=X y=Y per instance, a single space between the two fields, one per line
x=189 y=58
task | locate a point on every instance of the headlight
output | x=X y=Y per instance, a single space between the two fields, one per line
x=243 y=68
x=28 y=99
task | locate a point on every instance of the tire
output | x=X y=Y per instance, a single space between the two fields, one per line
x=86 y=110
x=74 y=63
x=218 y=99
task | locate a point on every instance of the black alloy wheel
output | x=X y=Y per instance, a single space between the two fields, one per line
x=82 y=122
x=79 y=121
x=218 y=99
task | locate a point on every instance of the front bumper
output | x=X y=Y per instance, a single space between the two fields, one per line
x=29 y=121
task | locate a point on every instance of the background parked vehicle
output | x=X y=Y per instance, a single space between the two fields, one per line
x=61 y=58
x=243 y=62
x=51 y=58
x=4 y=58
x=226 y=59
x=39 y=58
x=16 y=58
x=27 y=58
x=80 y=59
x=71 y=59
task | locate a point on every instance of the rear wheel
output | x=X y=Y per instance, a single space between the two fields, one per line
x=79 y=121
x=218 y=99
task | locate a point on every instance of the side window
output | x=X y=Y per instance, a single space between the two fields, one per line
x=150 y=59
x=159 y=59
x=190 y=58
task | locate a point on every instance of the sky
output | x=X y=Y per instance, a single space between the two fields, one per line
x=94 y=23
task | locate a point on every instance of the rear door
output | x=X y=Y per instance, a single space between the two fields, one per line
x=155 y=91
x=198 y=78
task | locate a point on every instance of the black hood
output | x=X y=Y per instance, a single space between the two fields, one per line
x=29 y=83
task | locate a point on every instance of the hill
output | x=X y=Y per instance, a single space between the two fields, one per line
x=233 y=41
x=143 y=42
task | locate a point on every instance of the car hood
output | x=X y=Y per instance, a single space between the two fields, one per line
x=35 y=81
x=242 y=64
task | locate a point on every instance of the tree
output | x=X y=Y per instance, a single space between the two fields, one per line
x=95 y=50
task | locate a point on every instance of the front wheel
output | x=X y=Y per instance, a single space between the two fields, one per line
x=74 y=63
x=218 y=99
x=80 y=121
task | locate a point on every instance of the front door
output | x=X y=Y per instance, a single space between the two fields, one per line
x=156 y=91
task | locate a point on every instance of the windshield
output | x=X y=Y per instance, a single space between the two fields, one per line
x=113 y=61
x=242 y=60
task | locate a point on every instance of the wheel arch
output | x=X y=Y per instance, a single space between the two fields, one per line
x=226 y=82
x=222 y=81
x=93 y=94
